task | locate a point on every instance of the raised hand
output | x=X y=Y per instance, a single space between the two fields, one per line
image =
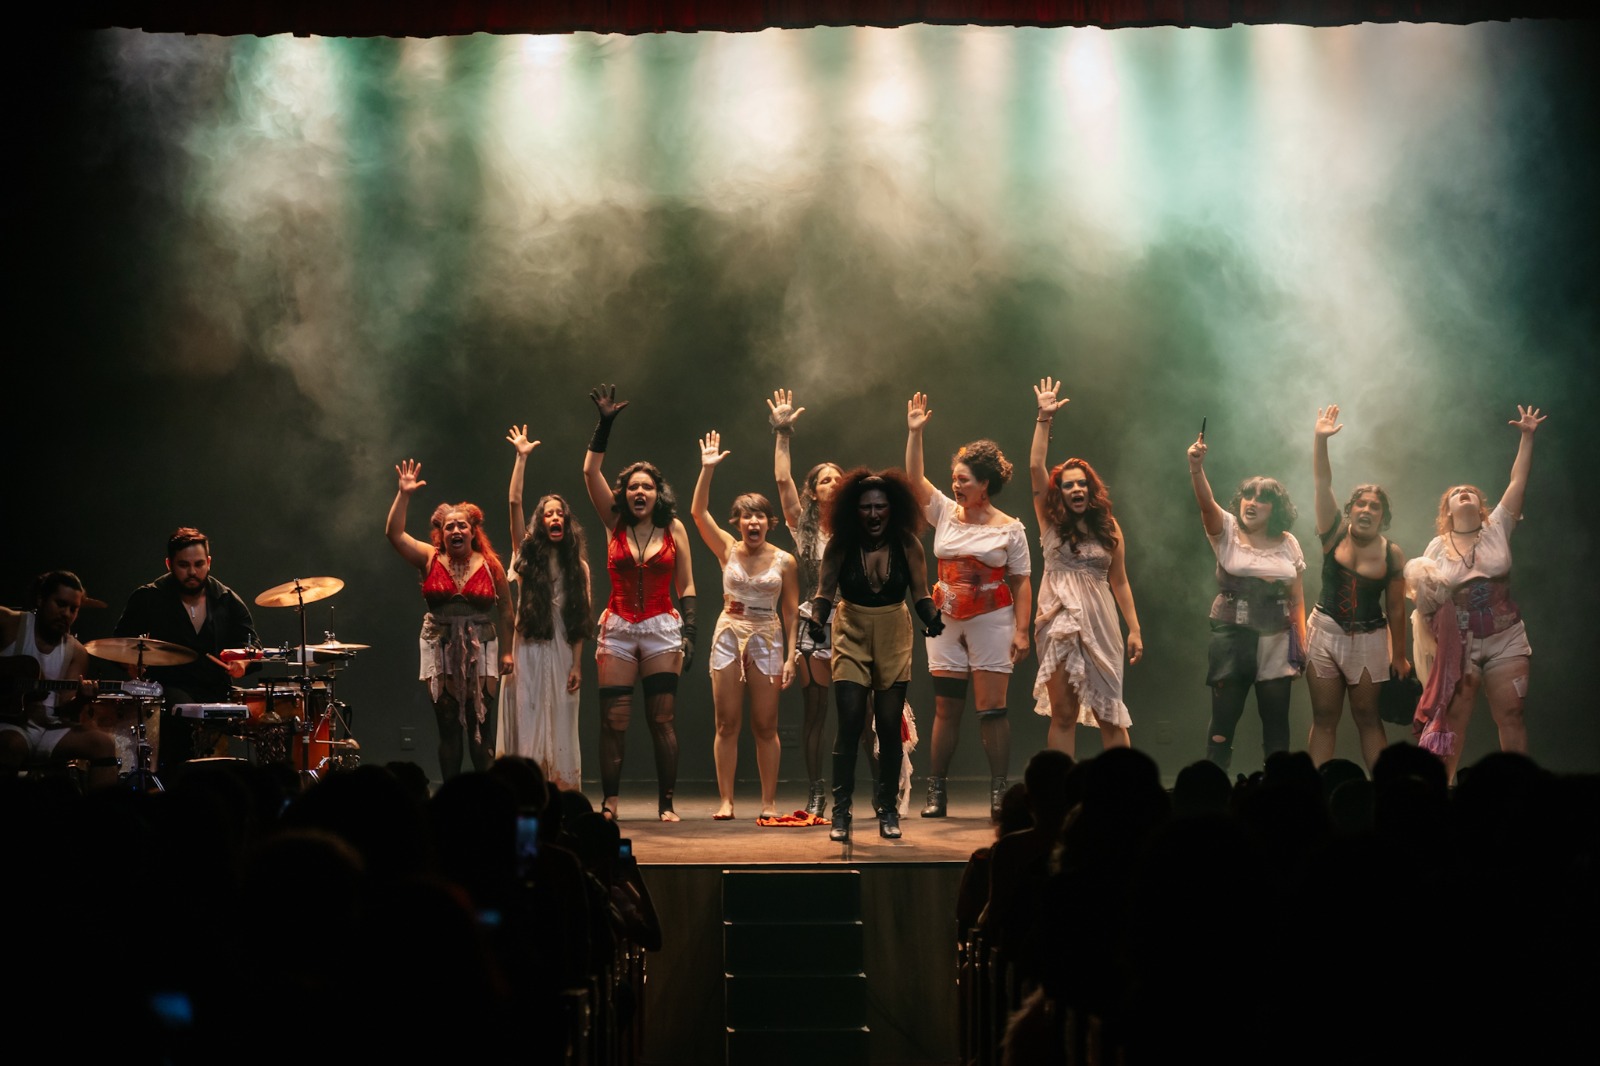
x=410 y=482
x=711 y=452
x=1528 y=419
x=605 y=398
x=917 y=412
x=1328 y=421
x=1197 y=453
x=1047 y=393
x=519 y=439
x=781 y=409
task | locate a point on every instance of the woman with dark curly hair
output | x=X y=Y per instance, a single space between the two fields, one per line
x=1085 y=583
x=641 y=638
x=804 y=508
x=872 y=561
x=752 y=648
x=1471 y=634
x=539 y=703
x=1258 y=618
x=985 y=593
x=466 y=634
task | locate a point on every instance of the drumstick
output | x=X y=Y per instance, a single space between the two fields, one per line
x=218 y=661
x=1202 y=428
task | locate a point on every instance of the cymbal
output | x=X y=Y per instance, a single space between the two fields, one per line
x=336 y=647
x=301 y=589
x=132 y=650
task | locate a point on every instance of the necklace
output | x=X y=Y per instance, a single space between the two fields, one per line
x=633 y=534
x=873 y=582
x=1469 y=559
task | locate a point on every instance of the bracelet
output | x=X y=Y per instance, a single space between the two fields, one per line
x=1047 y=420
x=784 y=430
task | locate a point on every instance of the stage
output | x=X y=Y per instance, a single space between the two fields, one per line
x=907 y=898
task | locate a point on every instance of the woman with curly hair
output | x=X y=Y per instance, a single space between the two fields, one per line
x=466 y=634
x=1085 y=583
x=803 y=511
x=1471 y=635
x=752 y=649
x=641 y=637
x=1258 y=618
x=539 y=703
x=985 y=593
x=872 y=561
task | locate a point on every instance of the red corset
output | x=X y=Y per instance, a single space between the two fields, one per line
x=439 y=588
x=640 y=592
x=967 y=588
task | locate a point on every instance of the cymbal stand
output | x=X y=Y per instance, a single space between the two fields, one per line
x=142 y=778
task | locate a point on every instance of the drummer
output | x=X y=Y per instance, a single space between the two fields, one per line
x=43 y=726
x=188 y=606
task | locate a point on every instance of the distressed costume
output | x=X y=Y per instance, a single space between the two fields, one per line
x=972 y=594
x=459 y=649
x=538 y=716
x=639 y=622
x=1077 y=630
x=749 y=622
x=1347 y=632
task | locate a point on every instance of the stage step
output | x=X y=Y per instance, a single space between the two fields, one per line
x=794 y=986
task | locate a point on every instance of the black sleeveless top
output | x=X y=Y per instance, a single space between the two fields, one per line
x=853 y=584
x=1349 y=598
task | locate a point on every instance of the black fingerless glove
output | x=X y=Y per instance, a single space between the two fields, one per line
x=602 y=428
x=817 y=624
x=686 y=613
x=932 y=623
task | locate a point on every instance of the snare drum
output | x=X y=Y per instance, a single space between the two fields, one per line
x=118 y=715
x=272 y=704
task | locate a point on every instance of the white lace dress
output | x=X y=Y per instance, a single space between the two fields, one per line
x=538 y=716
x=1077 y=631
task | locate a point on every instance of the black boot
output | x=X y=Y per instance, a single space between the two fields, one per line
x=935 y=807
x=817 y=803
x=841 y=815
x=888 y=811
x=997 y=793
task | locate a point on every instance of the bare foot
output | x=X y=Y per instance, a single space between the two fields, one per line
x=670 y=816
x=769 y=812
x=724 y=812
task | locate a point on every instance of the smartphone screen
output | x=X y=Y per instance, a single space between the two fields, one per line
x=527 y=839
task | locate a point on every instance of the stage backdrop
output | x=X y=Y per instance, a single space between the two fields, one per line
x=250 y=275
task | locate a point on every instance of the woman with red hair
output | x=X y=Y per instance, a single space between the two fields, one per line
x=1085 y=583
x=466 y=634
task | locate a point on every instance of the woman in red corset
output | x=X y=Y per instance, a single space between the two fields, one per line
x=466 y=634
x=641 y=637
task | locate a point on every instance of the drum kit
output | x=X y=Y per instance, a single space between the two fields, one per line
x=294 y=719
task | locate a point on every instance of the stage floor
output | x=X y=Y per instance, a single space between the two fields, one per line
x=698 y=840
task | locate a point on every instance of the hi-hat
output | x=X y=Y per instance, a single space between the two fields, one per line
x=300 y=590
x=134 y=650
x=336 y=647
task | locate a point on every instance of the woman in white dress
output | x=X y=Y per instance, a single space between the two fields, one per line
x=752 y=648
x=1085 y=583
x=539 y=708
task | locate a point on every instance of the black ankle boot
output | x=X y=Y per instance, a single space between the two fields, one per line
x=841 y=816
x=935 y=807
x=997 y=792
x=817 y=803
x=889 y=823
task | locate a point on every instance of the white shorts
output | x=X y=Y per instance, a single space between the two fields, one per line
x=979 y=643
x=42 y=739
x=634 y=642
x=1330 y=651
x=763 y=645
x=1504 y=646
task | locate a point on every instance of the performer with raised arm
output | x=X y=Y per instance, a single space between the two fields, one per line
x=872 y=561
x=539 y=704
x=804 y=509
x=641 y=637
x=466 y=634
x=1471 y=635
x=1356 y=636
x=1085 y=583
x=752 y=648
x=984 y=593
x=1258 y=616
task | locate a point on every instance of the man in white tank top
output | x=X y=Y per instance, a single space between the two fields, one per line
x=29 y=725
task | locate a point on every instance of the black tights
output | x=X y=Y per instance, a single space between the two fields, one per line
x=852 y=701
x=1227 y=706
x=452 y=737
x=814 y=731
x=616 y=708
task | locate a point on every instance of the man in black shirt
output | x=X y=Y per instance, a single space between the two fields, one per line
x=188 y=606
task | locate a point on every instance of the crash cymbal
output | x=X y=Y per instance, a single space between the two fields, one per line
x=336 y=647
x=300 y=590
x=133 y=650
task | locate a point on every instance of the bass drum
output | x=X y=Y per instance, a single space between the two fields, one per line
x=119 y=715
